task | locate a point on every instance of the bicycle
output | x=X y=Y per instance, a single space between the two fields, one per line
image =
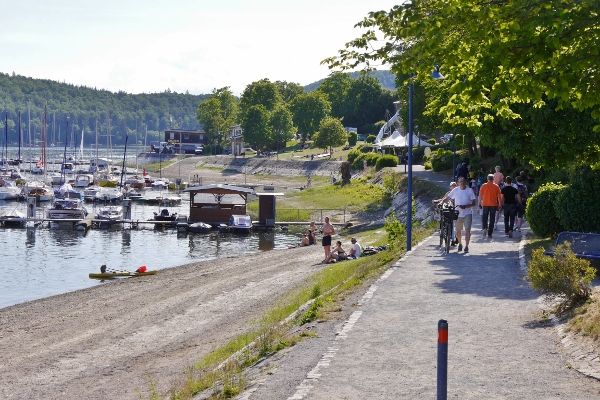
x=448 y=214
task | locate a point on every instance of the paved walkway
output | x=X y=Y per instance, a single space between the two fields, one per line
x=497 y=347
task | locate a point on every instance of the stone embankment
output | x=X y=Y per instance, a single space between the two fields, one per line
x=272 y=166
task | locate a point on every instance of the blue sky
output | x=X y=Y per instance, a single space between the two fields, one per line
x=148 y=46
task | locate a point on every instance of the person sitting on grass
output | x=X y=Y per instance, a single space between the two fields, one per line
x=305 y=239
x=337 y=254
x=356 y=249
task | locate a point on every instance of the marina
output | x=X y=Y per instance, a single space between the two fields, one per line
x=40 y=262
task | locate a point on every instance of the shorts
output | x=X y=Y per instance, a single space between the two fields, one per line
x=467 y=221
x=326 y=240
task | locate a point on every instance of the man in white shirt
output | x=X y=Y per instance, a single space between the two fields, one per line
x=355 y=250
x=464 y=200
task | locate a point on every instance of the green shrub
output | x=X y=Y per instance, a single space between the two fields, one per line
x=540 y=210
x=357 y=163
x=352 y=138
x=561 y=275
x=577 y=207
x=441 y=159
x=395 y=230
x=427 y=165
x=431 y=141
x=372 y=158
x=386 y=160
x=366 y=149
x=353 y=154
x=371 y=138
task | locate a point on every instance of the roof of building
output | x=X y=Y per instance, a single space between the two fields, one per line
x=220 y=188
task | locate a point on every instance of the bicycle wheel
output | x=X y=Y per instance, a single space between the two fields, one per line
x=442 y=226
x=448 y=238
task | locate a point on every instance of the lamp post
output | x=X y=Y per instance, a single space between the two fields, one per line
x=435 y=75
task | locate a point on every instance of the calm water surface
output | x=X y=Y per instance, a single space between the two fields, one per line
x=36 y=263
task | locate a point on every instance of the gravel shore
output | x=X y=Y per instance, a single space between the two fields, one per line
x=112 y=341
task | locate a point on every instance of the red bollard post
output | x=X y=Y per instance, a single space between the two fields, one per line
x=442 y=360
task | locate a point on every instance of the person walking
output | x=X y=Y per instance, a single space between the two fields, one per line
x=327 y=231
x=523 y=194
x=464 y=200
x=510 y=200
x=490 y=199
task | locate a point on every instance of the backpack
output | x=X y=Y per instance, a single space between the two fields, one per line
x=522 y=191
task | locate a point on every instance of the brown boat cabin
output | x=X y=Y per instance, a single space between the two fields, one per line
x=216 y=203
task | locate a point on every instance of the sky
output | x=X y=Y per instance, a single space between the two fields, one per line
x=182 y=45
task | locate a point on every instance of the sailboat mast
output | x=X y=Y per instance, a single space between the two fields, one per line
x=6 y=136
x=54 y=128
x=20 y=135
x=62 y=170
x=44 y=134
x=123 y=167
x=96 y=144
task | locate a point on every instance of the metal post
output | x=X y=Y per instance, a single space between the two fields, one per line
x=409 y=189
x=442 y=360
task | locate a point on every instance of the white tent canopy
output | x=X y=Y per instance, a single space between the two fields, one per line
x=397 y=140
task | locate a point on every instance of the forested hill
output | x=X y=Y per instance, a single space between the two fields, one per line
x=385 y=78
x=84 y=106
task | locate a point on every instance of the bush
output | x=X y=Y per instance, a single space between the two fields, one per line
x=387 y=160
x=357 y=163
x=427 y=165
x=372 y=158
x=366 y=149
x=371 y=138
x=540 y=210
x=561 y=275
x=353 y=154
x=395 y=230
x=431 y=141
x=352 y=138
x=441 y=160
x=577 y=207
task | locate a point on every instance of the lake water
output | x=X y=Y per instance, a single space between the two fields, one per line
x=36 y=263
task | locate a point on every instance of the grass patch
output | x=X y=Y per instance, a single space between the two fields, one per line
x=355 y=196
x=586 y=318
x=324 y=287
x=281 y=214
x=156 y=166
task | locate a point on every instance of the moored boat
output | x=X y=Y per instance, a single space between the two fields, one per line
x=67 y=209
x=12 y=219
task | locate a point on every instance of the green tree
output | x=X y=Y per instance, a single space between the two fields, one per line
x=282 y=126
x=257 y=127
x=217 y=114
x=501 y=58
x=336 y=87
x=308 y=110
x=263 y=92
x=289 y=90
x=331 y=133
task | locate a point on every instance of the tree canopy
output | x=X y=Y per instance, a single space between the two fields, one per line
x=331 y=133
x=218 y=113
x=309 y=109
x=502 y=59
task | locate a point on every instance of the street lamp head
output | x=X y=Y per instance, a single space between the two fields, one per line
x=436 y=74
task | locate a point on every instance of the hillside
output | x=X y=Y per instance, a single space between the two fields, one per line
x=84 y=106
x=386 y=78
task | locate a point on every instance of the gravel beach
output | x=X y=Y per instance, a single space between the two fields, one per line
x=112 y=341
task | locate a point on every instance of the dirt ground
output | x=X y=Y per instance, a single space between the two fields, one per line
x=114 y=340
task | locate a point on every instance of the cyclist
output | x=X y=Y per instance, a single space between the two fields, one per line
x=464 y=200
x=446 y=199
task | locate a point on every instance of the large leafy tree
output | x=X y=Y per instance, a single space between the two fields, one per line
x=256 y=124
x=218 y=113
x=308 y=110
x=501 y=59
x=331 y=133
x=282 y=126
x=289 y=90
x=336 y=87
x=263 y=92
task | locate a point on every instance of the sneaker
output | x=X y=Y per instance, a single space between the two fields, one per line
x=510 y=234
x=460 y=247
x=466 y=249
